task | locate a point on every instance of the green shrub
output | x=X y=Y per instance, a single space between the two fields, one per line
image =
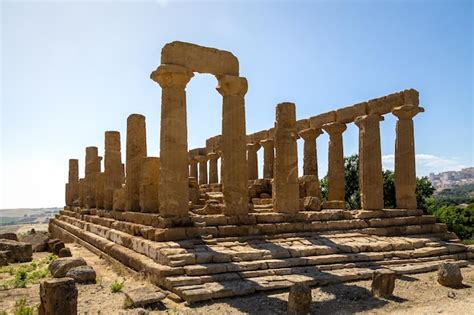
x=459 y=220
x=24 y=274
x=116 y=286
x=21 y=308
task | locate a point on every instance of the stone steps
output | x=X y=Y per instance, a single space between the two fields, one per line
x=239 y=286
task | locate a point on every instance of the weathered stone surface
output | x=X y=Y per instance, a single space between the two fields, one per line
x=92 y=168
x=136 y=151
x=174 y=194
x=21 y=252
x=203 y=177
x=72 y=195
x=5 y=257
x=200 y=59
x=82 y=274
x=213 y=169
x=113 y=172
x=299 y=300
x=8 y=236
x=268 y=157
x=119 y=199
x=449 y=275
x=349 y=114
x=149 y=185
x=144 y=296
x=38 y=240
x=64 y=252
x=310 y=164
x=312 y=204
x=58 y=297
x=383 y=283
x=57 y=246
x=285 y=184
x=336 y=180
x=322 y=119
x=61 y=266
x=252 y=161
x=234 y=180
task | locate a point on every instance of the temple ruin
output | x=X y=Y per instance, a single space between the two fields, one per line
x=201 y=232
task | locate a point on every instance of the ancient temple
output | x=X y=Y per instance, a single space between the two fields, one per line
x=201 y=232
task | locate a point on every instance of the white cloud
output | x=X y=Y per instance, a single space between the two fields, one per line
x=427 y=163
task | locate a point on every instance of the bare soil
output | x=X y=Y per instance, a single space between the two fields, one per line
x=414 y=294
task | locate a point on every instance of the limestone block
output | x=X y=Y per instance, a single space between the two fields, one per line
x=299 y=299
x=143 y=296
x=312 y=204
x=411 y=97
x=379 y=106
x=200 y=59
x=21 y=252
x=334 y=204
x=64 y=252
x=449 y=275
x=82 y=274
x=61 y=266
x=383 y=283
x=57 y=247
x=58 y=297
x=9 y=236
x=348 y=114
x=301 y=124
x=321 y=119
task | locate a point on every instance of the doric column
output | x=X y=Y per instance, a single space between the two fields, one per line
x=310 y=164
x=113 y=174
x=252 y=160
x=285 y=183
x=336 y=180
x=174 y=194
x=268 y=157
x=82 y=197
x=99 y=190
x=193 y=168
x=92 y=168
x=370 y=162
x=73 y=182
x=202 y=159
x=136 y=151
x=213 y=174
x=234 y=180
x=405 y=170
x=149 y=185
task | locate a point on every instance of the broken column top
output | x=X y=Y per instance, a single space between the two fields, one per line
x=112 y=140
x=200 y=59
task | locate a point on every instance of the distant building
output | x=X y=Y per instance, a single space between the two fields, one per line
x=452 y=178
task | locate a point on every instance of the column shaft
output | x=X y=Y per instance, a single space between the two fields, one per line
x=149 y=186
x=268 y=157
x=73 y=182
x=202 y=169
x=213 y=173
x=92 y=168
x=252 y=160
x=285 y=184
x=113 y=174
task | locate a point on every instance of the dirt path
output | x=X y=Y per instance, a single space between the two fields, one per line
x=414 y=294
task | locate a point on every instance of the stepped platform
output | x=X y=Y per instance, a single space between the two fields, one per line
x=212 y=256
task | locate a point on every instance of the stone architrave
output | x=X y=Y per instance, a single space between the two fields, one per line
x=136 y=151
x=174 y=192
x=268 y=157
x=213 y=173
x=310 y=164
x=370 y=162
x=336 y=180
x=149 y=186
x=202 y=159
x=193 y=168
x=234 y=161
x=285 y=183
x=113 y=173
x=73 y=182
x=92 y=168
x=252 y=160
x=405 y=170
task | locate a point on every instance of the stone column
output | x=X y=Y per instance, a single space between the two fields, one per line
x=149 y=186
x=174 y=192
x=92 y=168
x=310 y=158
x=405 y=170
x=213 y=174
x=136 y=151
x=285 y=183
x=252 y=160
x=370 y=162
x=99 y=191
x=268 y=157
x=73 y=181
x=82 y=197
x=202 y=159
x=113 y=174
x=193 y=168
x=234 y=161
x=336 y=179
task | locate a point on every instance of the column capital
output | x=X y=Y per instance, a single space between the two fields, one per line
x=172 y=76
x=407 y=111
x=201 y=158
x=310 y=134
x=334 y=128
x=229 y=85
x=253 y=147
x=212 y=156
x=362 y=120
x=267 y=143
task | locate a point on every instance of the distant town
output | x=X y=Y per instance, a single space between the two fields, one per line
x=451 y=179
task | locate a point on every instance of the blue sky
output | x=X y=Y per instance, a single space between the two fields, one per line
x=72 y=70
